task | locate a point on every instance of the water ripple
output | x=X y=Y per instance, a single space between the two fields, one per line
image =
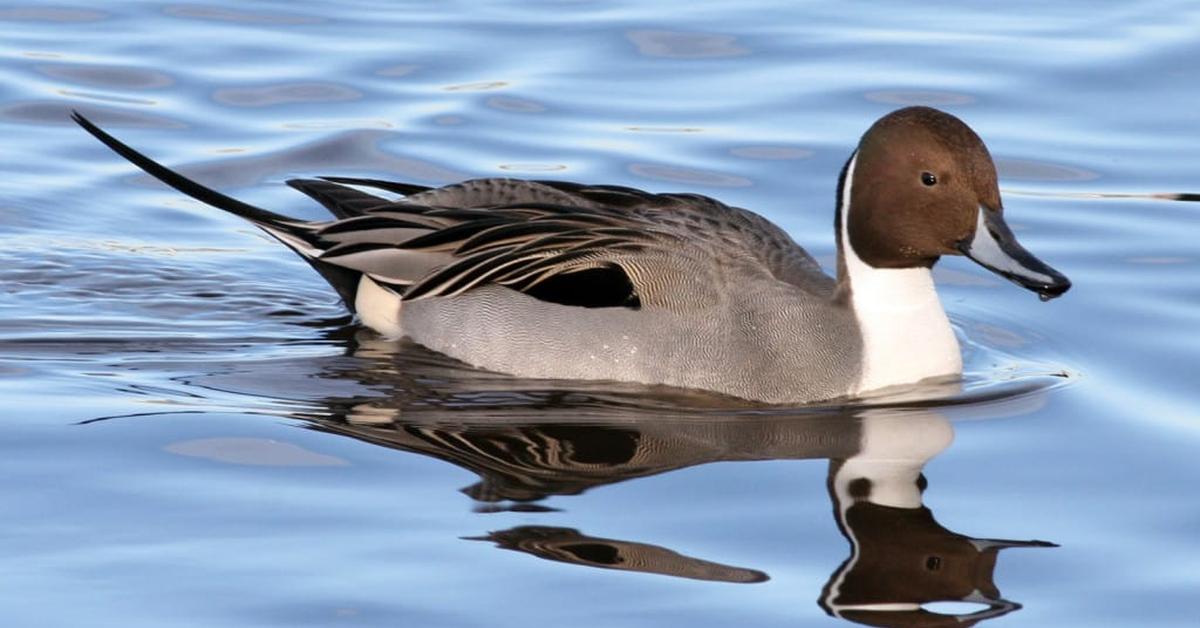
x=220 y=14
x=50 y=14
x=684 y=45
x=56 y=112
x=267 y=95
x=690 y=176
x=1032 y=170
x=771 y=152
x=358 y=151
x=515 y=105
x=928 y=98
x=115 y=77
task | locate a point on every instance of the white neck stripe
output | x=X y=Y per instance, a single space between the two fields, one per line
x=906 y=335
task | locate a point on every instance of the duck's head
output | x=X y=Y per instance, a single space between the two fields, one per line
x=922 y=185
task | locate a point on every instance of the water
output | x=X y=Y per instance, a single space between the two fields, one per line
x=196 y=434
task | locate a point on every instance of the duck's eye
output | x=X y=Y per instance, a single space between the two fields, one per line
x=928 y=178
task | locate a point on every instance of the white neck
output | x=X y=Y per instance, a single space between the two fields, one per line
x=906 y=335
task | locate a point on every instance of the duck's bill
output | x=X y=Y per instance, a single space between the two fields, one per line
x=995 y=248
x=986 y=544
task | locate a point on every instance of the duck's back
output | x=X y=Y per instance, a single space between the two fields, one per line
x=701 y=217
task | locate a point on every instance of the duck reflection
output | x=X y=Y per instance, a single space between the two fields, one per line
x=528 y=441
x=566 y=545
x=901 y=558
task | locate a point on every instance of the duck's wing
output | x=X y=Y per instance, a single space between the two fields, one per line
x=504 y=226
x=564 y=242
x=594 y=256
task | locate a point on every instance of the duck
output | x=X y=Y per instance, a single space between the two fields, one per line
x=559 y=280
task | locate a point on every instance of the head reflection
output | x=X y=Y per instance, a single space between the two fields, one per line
x=901 y=559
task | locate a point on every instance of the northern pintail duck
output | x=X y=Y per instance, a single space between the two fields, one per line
x=549 y=279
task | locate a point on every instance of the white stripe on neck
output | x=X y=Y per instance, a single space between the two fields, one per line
x=906 y=335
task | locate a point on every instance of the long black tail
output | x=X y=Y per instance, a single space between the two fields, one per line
x=193 y=189
x=295 y=234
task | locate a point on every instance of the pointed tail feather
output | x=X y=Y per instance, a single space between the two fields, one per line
x=297 y=235
x=193 y=189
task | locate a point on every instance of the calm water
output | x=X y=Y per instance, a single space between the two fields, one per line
x=194 y=433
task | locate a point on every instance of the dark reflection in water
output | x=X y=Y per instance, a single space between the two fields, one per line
x=50 y=14
x=901 y=557
x=919 y=97
x=683 y=45
x=219 y=14
x=401 y=69
x=1030 y=170
x=771 y=152
x=528 y=441
x=267 y=95
x=105 y=97
x=108 y=76
x=357 y=151
x=566 y=545
x=675 y=174
x=58 y=113
x=515 y=105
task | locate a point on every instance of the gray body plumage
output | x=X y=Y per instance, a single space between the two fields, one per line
x=765 y=347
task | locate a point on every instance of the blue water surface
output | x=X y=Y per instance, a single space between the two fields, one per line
x=195 y=433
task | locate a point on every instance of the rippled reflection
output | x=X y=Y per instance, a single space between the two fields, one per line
x=771 y=152
x=566 y=545
x=482 y=86
x=919 y=97
x=58 y=113
x=252 y=451
x=901 y=558
x=113 y=77
x=528 y=441
x=401 y=69
x=682 y=45
x=676 y=174
x=50 y=14
x=219 y=14
x=533 y=167
x=359 y=150
x=268 y=95
x=515 y=105
x=1029 y=170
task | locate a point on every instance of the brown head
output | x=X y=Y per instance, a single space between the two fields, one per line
x=923 y=185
